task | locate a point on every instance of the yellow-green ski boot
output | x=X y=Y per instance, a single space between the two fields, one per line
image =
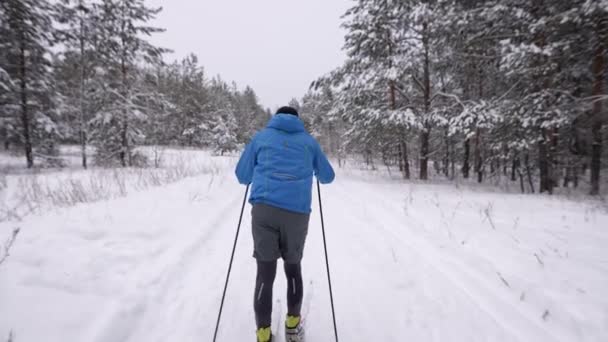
x=264 y=335
x=294 y=331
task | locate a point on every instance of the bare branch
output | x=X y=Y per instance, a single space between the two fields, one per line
x=9 y=244
x=418 y=83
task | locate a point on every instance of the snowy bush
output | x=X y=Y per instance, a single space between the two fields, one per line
x=44 y=190
x=99 y=185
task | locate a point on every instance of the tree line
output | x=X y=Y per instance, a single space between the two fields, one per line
x=85 y=72
x=472 y=88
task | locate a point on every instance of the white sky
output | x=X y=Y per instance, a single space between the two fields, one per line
x=278 y=47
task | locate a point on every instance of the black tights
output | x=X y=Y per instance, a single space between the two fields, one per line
x=262 y=303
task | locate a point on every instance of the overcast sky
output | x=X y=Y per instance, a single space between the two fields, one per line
x=276 y=46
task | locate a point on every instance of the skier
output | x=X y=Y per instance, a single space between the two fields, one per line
x=280 y=161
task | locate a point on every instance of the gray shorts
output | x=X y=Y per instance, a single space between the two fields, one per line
x=278 y=233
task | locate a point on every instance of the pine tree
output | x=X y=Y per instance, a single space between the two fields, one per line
x=79 y=69
x=123 y=46
x=596 y=14
x=191 y=97
x=25 y=38
x=373 y=94
x=520 y=83
x=7 y=122
x=224 y=134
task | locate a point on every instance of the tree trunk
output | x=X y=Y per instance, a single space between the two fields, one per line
x=478 y=160
x=521 y=181
x=83 y=132
x=25 y=119
x=571 y=174
x=404 y=165
x=426 y=133
x=393 y=97
x=544 y=146
x=371 y=159
x=446 y=158
x=83 y=148
x=406 y=162
x=465 y=164
x=543 y=164
x=424 y=151
x=596 y=128
x=125 y=153
x=514 y=167
x=529 y=172
x=400 y=156
x=452 y=160
x=553 y=159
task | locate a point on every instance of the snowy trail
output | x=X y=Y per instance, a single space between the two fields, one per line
x=421 y=291
x=467 y=289
x=171 y=297
x=409 y=263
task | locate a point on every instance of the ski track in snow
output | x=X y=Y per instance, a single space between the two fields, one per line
x=460 y=277
x=146 y=311
x=409 y=263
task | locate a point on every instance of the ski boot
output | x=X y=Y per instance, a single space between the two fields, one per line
x=294 y=331
x=264 y=335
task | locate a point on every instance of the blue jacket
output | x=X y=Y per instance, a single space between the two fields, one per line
x=280 y=161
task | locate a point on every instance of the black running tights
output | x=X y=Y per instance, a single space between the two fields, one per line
x=262 y=304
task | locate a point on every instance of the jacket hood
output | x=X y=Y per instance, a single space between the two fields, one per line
x=287 y=123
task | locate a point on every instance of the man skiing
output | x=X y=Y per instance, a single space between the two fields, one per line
x=280 y=161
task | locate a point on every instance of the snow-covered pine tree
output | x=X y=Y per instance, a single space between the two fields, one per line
x=394 y=76
x=196 y=102
x=512 y=83
x=123 y=46
x=79 y=71
x=158 y=110
x=8 y=89
x=224 y=133
x=426 y=52
x=249 y=115
x=371 y=86
x=550 y=76
x=8 y=126
x=326 y=127
x=588 y=21
x=25 y=38
x=192 y=100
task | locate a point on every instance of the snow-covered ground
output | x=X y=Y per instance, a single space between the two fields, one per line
x=410 y=262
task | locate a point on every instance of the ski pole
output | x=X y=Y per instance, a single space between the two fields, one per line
x=331 y=296
x=236 y=238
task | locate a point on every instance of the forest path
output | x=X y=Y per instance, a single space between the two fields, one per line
x=409 y=262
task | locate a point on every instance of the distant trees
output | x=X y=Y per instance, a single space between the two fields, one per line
x=105 y=85
x=512 y=88
x=205 y=112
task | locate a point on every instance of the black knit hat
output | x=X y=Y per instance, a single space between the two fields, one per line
x=287 y=110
